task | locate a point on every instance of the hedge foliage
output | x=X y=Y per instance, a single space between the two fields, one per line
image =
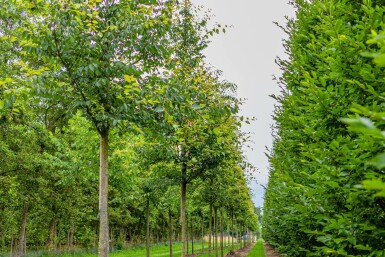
x=325 y=193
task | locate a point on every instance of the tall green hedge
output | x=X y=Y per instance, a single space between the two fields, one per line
x=315 y=204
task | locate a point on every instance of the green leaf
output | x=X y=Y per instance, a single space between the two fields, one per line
x=378 y=161
x=359 y=123
x=375 y=184
x=196 y=106
x=159 y=109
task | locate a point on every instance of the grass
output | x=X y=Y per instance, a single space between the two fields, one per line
x=226 y=250
x=159 y=250
x=257 y=250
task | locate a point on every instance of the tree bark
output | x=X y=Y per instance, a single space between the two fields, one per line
x=187 y=231
x=228 y=232
x=12 y=239
x=232 y=230
x=104 y=246
x=170 y=230
x=71 y=233
x=216 y=231
x=52 y=234
x=203 y=233
x=21 y=247
x=148 y=227
x=192 y=235
x=236 y=232
x=221 y=228
x=183 y=208
x=210 y=225
x=242 y=241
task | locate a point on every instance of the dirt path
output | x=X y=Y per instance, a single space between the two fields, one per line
x=270 y=251
x=241 y=252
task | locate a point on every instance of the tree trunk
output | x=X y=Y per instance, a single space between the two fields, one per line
x=148 y=227
x=12 y=239
x=130 y=235
x=21 y=248
x=170 y=230
x=228 y=232
x=221 y=224
x=232 y=230
x=187 y=239
x=203 y=233
x=236 y=232
x=104 y=247
x=192 y=235
x=242 y=241
x=210 y=225
x=52 y=234
x=183 y=208
x=216 y=231
x=240 y=235
x=71 y=233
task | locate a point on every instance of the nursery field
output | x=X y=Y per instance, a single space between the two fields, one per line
x=115 y=131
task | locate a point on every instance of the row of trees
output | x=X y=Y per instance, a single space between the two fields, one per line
x=325 y=193
x=125 y=80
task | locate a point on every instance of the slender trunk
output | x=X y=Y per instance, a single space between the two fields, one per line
x=183 y=208
x=240 y=234
x=203 y=233
x=71 y=233
x=216 y=230
x=236 y=232
x=52 y=234
x=242 y=241
x=131 y=237
x=228 y=233
x=148 y=227
x=104 y=248
x=221 y=224
x=112 y=239
x=210 y=225
x=170 y=230
x=187 y=239
x=192 y=235
x=21 y=248
x=232 y=230
x=12 y=239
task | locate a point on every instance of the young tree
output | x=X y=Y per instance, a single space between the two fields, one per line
x=104 y=53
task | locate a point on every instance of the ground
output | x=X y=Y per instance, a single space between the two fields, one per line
x=241 y=252
x=270 y=251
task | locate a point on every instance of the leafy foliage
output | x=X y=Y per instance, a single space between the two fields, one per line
x=314 y=204
x=132 y=74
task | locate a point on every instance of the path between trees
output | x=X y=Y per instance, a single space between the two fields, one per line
x=270 y=251
x=243 y=252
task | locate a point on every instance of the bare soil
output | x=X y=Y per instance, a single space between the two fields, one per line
x=241 y=252
x=270 y=251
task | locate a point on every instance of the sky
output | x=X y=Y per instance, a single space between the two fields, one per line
x=246 y=55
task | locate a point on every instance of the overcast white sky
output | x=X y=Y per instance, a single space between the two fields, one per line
x=246 y=55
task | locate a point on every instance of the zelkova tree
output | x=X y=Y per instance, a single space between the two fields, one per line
x=105 y=54
x=196 y=104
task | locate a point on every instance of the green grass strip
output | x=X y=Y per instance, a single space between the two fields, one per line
x=258 y=250
x=158 y=250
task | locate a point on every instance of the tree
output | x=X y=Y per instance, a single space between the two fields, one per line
x=104 y=53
